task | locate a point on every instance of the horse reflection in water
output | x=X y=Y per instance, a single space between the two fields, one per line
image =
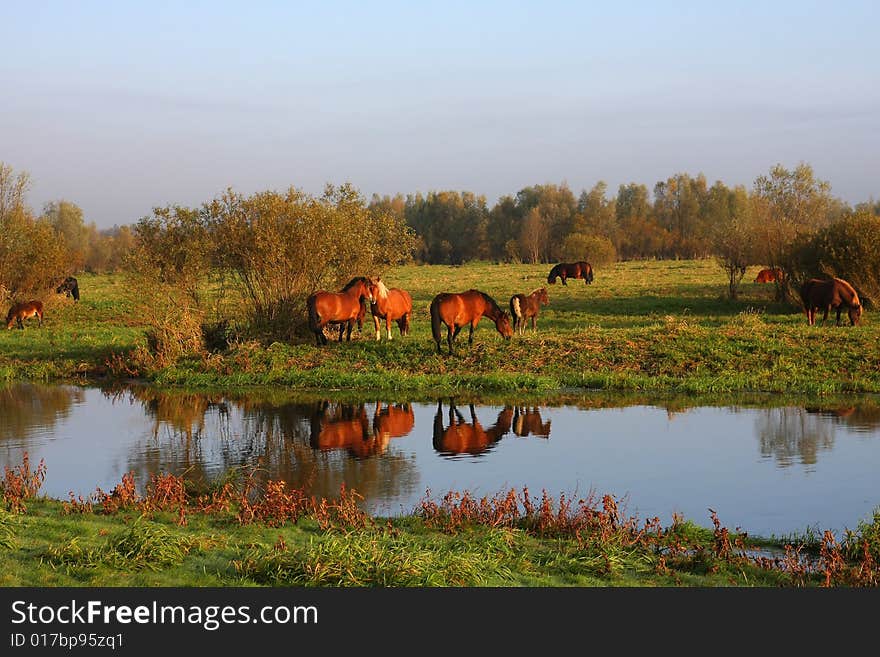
x=348 y=426
x=528 y=422
x=461 y=437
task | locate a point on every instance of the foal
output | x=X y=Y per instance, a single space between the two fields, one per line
x=523 y=307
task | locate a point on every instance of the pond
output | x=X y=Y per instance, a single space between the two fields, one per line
x=767 y=466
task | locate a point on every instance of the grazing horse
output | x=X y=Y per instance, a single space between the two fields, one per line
x=565 y=270
x=528 y=422
x=455 y=309
x=337 y=307
x=461 y=437
x=835 y=293
x=70 y=287
x=523 y=307
x=22 y=311
x=391 y=305
x=769 y=275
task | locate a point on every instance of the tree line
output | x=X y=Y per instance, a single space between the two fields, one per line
x=787 y=219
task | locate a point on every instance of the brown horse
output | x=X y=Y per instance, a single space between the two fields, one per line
x=835 y=293
x=769 y=275
x=22 y=311
x=528 y=422
x=337 y=308
x=455 y=309
x=526 y=306
x=391 y=305
x=461 y=437
x=565 y=270
x=343 y=325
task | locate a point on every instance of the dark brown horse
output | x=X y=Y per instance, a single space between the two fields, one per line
x=834 y=293
x=461 y=437
x=566 y=270
x=22 y=311
x=457 y=309
x=391 y=304
x=70 y=287
x=526 y=306
x=337 y=307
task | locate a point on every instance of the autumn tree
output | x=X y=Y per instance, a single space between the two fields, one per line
x=789 y=207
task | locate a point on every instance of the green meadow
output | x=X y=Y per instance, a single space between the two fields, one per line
x=663 y=326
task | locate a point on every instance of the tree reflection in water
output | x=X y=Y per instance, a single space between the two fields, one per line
x=27 y=408
x=317 y=445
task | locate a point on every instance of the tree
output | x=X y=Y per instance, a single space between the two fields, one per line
x=789 y=207
x=732 y=234
x=67 y=220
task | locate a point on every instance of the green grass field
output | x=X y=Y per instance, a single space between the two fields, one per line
x=654 y=326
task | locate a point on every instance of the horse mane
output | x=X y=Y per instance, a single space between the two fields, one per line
x=354 y=281
x=535 y=291
x=383 y=290
x=491 y=302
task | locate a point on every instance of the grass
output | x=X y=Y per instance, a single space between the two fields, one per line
x=648 y=326
x=447 y=545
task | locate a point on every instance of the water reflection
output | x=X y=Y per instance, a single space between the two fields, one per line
x=463 y=437
x=28 y=408
x=816 y=460
x=528 y=422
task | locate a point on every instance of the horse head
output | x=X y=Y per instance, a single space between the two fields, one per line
x=855 y=314
x=542 y=297
x=502 y=323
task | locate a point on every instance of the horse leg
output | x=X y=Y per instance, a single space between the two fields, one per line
x=388 y=324
x=350 y=327
x=563 y=281
x=450 y=336
x=376 y=326
x=470 y=333
x=839 y=308
x=534 y=323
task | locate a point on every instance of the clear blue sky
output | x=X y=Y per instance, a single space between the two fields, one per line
x=122 y=106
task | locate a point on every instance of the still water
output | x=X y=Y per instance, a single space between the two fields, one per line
x=767 y=468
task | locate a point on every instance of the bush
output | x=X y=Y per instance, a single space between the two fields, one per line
x=594 y=249
x=848 y=249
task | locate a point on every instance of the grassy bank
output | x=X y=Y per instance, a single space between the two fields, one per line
x=661 y=326
x=174 y=536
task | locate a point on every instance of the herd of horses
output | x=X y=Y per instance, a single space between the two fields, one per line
x=455 y=310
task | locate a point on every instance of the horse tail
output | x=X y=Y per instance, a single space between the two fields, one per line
x=435 y=321
x=314 y=319
x=516 y=310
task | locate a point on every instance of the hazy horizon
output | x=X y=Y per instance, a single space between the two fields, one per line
x=123 y=107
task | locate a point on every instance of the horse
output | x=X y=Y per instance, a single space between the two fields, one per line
x=524 y=306
x=391 y=305
x=455 y=309
x=22 y=311
x=70 y=287
x=565 y=270
x=343 y=325
x=461 y=437
x=337 y=307
x=528 y=422
x=769 y=275
x=834 y=293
